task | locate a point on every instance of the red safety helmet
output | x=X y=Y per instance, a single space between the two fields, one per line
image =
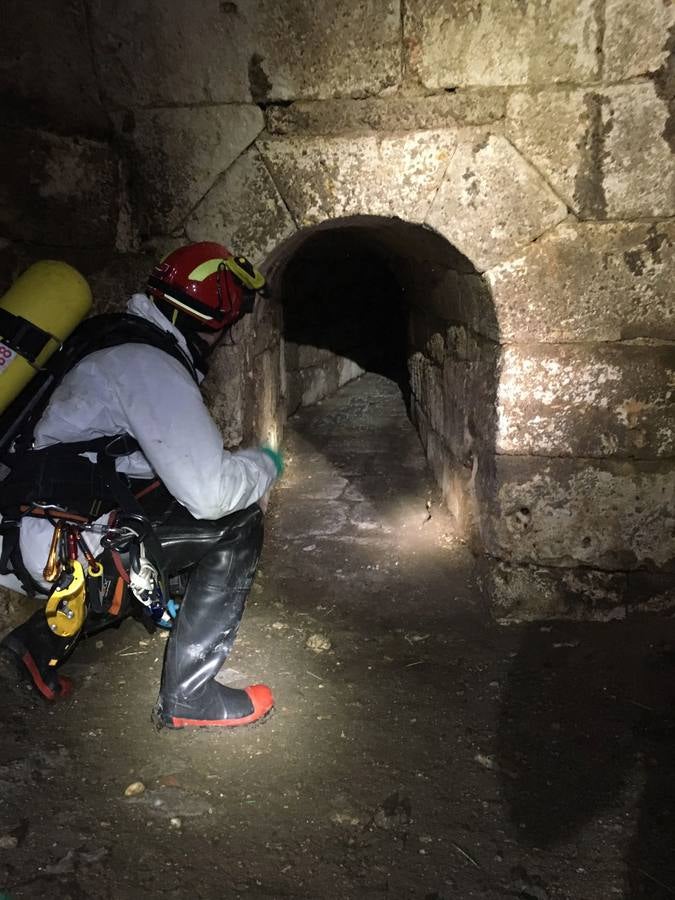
x=205 y=283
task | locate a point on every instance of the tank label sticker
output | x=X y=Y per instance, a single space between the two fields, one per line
x=6 y=357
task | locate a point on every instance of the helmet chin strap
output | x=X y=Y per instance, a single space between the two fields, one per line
x=199 y=349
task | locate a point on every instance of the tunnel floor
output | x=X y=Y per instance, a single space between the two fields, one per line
x=416 y=750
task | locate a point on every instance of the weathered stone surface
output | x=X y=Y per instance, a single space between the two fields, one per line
x=554 y=130
x=477 y=306
x=521 y=593
x=426 y=382
x=454 y=43
x=636 y=37
x=224 y=392
x=348 y=370
x=589 y=282
x=243 y=387
x=567 y=512
x=312 y=356
x=260 y=50
x=455 y=385
x=177 y=155
x=244 y=210
x=603 y=151
x=47 y=77
x=267 y=425
x=492 y=201
x=57 y=190
x=455 y=480
x=587 y=400
x=324 y=178
x=638 y=165
x=473 y=107
x=317 y=382
x=259 y=330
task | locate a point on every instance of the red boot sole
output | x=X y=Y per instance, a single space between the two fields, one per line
x=263 y=704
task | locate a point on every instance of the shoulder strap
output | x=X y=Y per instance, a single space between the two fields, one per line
x=96 y=333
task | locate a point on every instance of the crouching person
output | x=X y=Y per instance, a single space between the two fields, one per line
x=121 y=485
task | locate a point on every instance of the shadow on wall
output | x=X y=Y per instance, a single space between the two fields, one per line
x=587 y=732
x=378 y=294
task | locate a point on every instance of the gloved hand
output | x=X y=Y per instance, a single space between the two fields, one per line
x=276 y=458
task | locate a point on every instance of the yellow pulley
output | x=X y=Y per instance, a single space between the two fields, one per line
x=65 y=609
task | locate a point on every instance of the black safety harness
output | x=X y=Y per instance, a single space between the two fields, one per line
x=59 y=477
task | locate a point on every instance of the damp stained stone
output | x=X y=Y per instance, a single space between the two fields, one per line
x=56 y=190
x=638 y=168
x=571 y=498
x=177 y=154
x=258 y=50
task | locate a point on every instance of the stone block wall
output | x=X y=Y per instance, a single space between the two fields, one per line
x=536 y=139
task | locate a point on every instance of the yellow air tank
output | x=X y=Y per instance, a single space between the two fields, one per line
x=53 y=297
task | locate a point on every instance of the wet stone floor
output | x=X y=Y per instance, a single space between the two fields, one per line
x=416 y=750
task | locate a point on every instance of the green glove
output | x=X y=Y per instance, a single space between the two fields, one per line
x=276 y=458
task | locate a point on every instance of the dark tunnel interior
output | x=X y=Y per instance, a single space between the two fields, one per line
x=341 y=292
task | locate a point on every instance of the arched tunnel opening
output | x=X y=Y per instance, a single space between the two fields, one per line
x=372 y=296
x=341 y=293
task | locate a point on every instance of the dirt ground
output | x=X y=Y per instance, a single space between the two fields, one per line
x=416 y=749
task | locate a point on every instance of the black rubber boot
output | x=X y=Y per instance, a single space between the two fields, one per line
x=37 y=652
x=208 y=621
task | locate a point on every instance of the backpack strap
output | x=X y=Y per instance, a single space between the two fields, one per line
x=18 y=422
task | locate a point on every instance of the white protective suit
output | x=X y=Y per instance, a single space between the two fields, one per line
x=141 y=391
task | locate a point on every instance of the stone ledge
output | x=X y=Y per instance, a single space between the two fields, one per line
x=419 y=113
x=523 y=593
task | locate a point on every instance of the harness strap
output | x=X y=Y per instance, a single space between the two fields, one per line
x=25 y=338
